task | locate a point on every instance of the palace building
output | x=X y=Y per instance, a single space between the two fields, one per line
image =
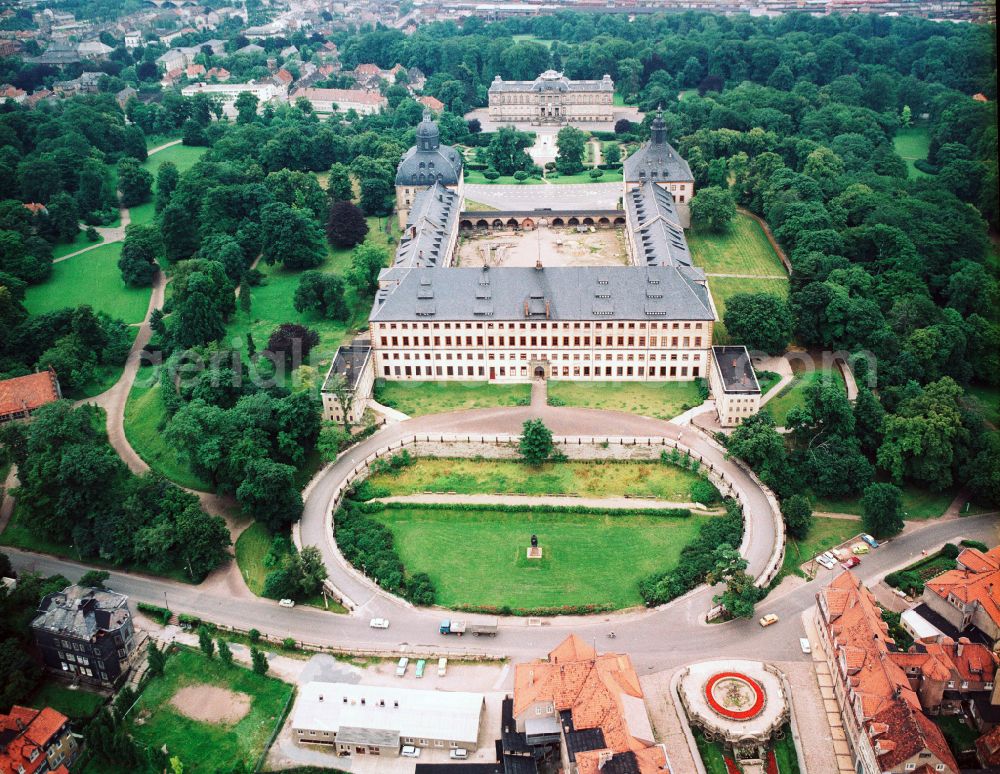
x=551 y=98
x=427 y=163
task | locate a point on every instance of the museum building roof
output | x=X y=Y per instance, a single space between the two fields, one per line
x=563 y=293
x=428 y=161
x=431 y=221
x=657 y=160
x=655 y=225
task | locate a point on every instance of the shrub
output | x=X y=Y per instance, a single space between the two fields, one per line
x=950 y=551
x=975 y=544
x=189 y=620
x=91 y=234
x=253 y=635
x=491 y=175
x=704 y=492
x=925 y=166
x=288 y=643
x=596 y=173
x=701 y=384
x=153 y=611
x=520 y=176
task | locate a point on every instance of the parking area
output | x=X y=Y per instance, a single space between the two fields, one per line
x=571 y=246
x=494 y=681
x=845 y=555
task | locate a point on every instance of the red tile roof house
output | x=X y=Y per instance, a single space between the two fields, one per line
x=35 y=741
x=20 y=396
x=431 y=103
x=885 y=726
x=969 y=596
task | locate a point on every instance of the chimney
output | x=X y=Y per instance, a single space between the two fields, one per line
x=538 y=263
x=547 y=309
x=525 y=308
x=604 y=757
x=321 y=697
x=413 y=232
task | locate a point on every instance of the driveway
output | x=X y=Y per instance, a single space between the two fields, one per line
x=598 y=196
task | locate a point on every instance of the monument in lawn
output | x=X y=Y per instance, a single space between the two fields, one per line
x=534 y=551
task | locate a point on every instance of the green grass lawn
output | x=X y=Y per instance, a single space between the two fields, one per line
x=209 y=747
x=547 y=42
x=723 y=288
x=145 y=418
x=663 y=400
x=988 y=400
x=609 y=176
x=91 y=278
x=156 y=140
x=184 y=156
x=712 y=754
x=766 y=380
x=251 y=548
x=79 y=243
x=416 y=398
x=824 y=535
x=478 y=557
x=918 y=503
x=785 y=755
x=77 y=703
x=586 y=479
x=143 y=214
x=741 y=249
x=912 y=143
x=793 y=394
x=271 y=305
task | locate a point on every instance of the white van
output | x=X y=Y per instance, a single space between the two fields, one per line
x=401 y=666
x=442 y=667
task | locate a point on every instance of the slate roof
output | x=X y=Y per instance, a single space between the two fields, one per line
x=563 y=293
x=431 y=220
x=735 y=369
x=551 y=80
x=656 y=229
x=657 y=160
x=429 y=161
x=82 y=612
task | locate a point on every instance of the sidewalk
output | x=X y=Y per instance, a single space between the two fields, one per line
x=557 y=500
x=831 y=708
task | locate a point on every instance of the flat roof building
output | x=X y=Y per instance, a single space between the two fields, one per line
x=733 y=384
x=351 y=375
x=372 y=719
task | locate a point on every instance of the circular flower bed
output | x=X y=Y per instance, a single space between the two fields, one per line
x=735 y=696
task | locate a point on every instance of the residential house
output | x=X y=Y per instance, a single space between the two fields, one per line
x=22 y=395
x=34 y=741
x=9 y=47
x=265 y=91
x=58 y=54
x=13 y=94
x=93 y=49
x=133 y=39
x=86 y=635
x=949 y=676
x=885 y=727
x=379 y=720
x=250 y=48
x=968 y=597
x=41 y=95
x=172 y=77
x=123 y=96
x=433 y=104
x=174 y=59
x=194 y=71
x=283 y=78
x=87 y=83
x=590 y=707
x=217 y=74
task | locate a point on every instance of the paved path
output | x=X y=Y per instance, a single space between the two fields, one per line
x=563 y=501
x=669 y=636
x=780 y=366
x=556 y=197
x=750 y=276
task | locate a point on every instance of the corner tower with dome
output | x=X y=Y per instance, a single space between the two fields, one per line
x=426 y=164
x=659 y=162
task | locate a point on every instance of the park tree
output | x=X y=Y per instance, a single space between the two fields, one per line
x=167 y=178
x=882 y=514
x=139 y=252
x=332 y=438
x=64 y=217
x=506 y=152
x=246 y=107
x=290 y=237
x=740 y=594
x=269 y=495
x=321 y=293
x=197 y=318
x=612 y=153
x=797 y=513
x=713 y=208
x=571 y=143
x=366 y=262
x=180 y=241
x=536 y=442
x=761 y=321
x=225 y=652
x=338 y=183
x=205 y=641
x=259 y=661
x=156 y=660
x=346 y=225
x=134 y=182
x=291 y=343
x=376 y=195
x=762 y=447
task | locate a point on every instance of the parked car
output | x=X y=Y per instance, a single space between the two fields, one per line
x=379 y=623
x=804 y=644
x=861 y=548
x=851 y=561
x=458 y=754
x=870 y=540
x=421 y=663
x=409 y=751
x=442 y=667
x=286 y=603
x=401 y=666
x=829 y=557
x=828 y=563
x=769 y=619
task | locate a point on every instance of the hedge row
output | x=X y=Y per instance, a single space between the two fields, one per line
x=528 y=612
x=696 y=559
x=156 y=612
x=672 y=513
x=369 y=544
x=979 y=546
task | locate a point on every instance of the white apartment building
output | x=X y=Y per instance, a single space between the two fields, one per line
x=379 y=720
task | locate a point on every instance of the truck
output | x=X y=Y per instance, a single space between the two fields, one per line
x=484 y=628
